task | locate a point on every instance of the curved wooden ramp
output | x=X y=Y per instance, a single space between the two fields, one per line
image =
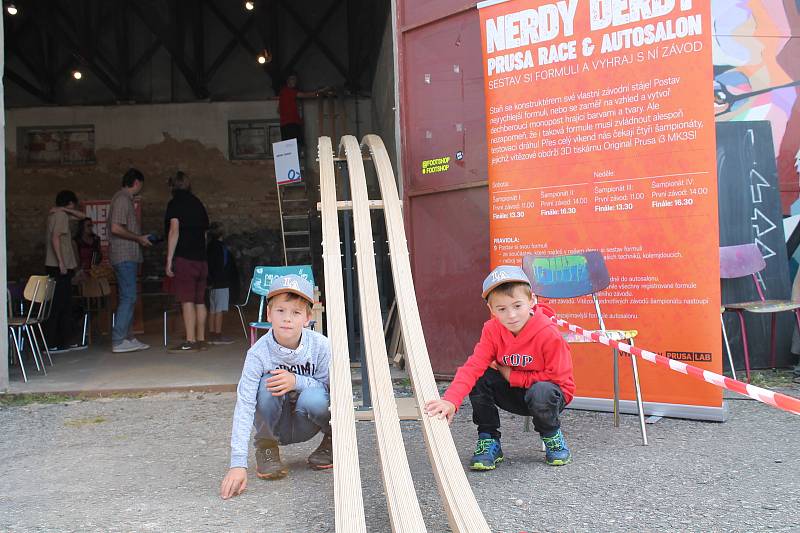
x=463 y=511
x=348 y=499
x=404 y=511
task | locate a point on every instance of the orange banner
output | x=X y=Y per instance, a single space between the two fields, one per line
x=600 y=129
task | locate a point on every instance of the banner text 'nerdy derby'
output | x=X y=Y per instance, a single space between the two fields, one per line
x=514 y=34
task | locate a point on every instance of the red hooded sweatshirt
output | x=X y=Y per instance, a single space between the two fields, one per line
x=537 y=353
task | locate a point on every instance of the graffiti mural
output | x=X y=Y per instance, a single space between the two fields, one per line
x=757 y=75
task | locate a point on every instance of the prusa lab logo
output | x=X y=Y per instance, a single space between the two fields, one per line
x=291 y=284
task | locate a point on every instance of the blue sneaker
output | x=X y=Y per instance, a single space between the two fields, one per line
x=556 y=450
x=487 y=453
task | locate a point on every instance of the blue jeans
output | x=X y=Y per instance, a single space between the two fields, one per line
x=278 y=418
x=126 y=298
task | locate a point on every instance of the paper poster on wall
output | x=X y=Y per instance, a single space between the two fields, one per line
x=287 y=163
x=600 y=132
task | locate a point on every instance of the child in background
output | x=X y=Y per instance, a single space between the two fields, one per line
x=222 y=278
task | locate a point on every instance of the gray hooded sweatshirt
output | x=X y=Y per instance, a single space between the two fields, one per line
x=309 y=362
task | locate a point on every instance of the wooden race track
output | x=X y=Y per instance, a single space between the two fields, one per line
x=405 y=515
x=346 y=476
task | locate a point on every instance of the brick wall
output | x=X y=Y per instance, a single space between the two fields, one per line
x=240 y=194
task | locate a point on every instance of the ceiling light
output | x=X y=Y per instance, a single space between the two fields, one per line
x=12 y=9
x=249 y=6
x=77 y=74
x=262 y=60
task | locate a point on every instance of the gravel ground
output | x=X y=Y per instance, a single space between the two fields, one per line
x=155 y=464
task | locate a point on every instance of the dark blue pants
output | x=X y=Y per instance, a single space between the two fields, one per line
x=543 y=402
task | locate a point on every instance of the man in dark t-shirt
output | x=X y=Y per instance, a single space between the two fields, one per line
x=186 y=222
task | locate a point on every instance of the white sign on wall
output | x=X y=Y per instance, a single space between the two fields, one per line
x=287 y=163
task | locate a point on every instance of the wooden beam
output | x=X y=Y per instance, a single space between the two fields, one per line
x=58 y=30
x=238 y=33
x=3 y=242
x=311 y=36
x=83 y=44
x=146 y=56
x=158 y=27
x=405 y=514
x=198 y=38
x=462 y=508
x=226 y=52
x=347 y=495
x=30 y=88
x=123 y=48
x=266 y=17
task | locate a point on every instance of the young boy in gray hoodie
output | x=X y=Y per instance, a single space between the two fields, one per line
x=284 y=389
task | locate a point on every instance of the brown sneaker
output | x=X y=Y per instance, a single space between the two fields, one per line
x=268 y=461
x=322 y=457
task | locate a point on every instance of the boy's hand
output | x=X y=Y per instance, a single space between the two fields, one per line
x=440 y=409
x=281 y=382
x=234 y=483
x=505 y=371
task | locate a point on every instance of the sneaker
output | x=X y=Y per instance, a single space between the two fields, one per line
x=59 y=349
x=487 y=453
x=556 y=453
x=322 y=457
x=124 y=346
x=140 y=344
x=184 y=347
x=268 y=461
x=217 y=338
x=201 y=345
x=76 y=347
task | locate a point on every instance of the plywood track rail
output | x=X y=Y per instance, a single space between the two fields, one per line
x=348 y=500
x=404 y=512
x=462 y=509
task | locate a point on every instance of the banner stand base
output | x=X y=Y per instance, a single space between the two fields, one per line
x=671 y=410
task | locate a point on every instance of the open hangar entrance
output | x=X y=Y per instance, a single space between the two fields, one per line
x=92 y=88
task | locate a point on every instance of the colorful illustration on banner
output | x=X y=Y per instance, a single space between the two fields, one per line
x=756 y=56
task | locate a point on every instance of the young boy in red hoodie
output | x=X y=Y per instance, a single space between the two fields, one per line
x=520 y=364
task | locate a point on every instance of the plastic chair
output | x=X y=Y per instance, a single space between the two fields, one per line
x=259 y=285
x=572 y=276
x=746 y=260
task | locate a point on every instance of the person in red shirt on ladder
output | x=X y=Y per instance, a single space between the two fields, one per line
x=520 y=364
x=291 y=122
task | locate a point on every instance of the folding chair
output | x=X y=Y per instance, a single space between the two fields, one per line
x=573 y=276
x=746 y=260
x=259 y=285
x=95 y=293
x=39 y=292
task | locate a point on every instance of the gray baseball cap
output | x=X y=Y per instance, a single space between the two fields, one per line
x=503 y=274
x=294 y=284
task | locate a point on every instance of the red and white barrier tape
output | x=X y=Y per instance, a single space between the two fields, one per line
x=775 y=399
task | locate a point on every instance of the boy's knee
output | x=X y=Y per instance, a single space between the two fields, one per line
x=315 y=402
x=266 y=402
x=486 y=384
x=544 y=396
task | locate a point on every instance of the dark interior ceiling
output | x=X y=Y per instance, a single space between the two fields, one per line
x=146 y=51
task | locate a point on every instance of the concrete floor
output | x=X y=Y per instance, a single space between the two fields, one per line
x=98 y=369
